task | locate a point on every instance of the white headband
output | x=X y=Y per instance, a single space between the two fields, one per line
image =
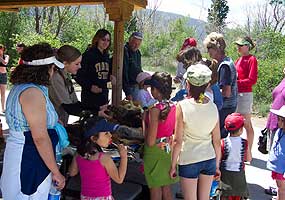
x=46 y=61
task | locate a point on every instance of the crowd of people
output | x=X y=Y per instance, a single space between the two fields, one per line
x=193 y=138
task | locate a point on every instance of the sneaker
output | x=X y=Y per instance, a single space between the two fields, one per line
x=271 y=191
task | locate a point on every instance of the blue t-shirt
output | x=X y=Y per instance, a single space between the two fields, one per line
x=276 y=160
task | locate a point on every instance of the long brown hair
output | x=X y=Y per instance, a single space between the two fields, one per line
x=101 y=33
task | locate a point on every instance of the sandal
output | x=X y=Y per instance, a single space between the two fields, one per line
x=271 y=191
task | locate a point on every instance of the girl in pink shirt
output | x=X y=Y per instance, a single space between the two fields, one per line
x=95 y=167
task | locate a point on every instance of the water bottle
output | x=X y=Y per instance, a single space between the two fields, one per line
x=58 y=155
x=54 y=194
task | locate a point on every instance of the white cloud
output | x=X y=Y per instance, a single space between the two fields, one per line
x=199 y=8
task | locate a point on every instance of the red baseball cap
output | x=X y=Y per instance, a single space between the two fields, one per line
x=234 y=121
x=189 y=42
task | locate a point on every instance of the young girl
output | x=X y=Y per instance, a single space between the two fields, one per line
x=235 y=152
x=160 y=123
x=276 y=161
x=143 y=95
x=95 y=167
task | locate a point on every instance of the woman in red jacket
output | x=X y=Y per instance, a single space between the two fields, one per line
x=246 y=67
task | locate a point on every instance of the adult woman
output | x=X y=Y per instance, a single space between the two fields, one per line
x=196 y=144
x=61 y=90
x=246 y=67
x=29 y=160
x=227 y=81
x=4 y=59
x=160 y=126
x=96 y=72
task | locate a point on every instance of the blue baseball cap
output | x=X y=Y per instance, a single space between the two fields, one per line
x=137 y=35
x=101 y=126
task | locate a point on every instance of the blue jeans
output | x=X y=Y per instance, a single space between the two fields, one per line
x=193 y=170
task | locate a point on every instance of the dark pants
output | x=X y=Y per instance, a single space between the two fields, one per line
x=223 y=113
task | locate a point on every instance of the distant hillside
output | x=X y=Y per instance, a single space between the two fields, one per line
x=162 y=18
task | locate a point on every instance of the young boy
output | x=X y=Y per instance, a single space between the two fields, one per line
x=234 y=154
x=276 y=160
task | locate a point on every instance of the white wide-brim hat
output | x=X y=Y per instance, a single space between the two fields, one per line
x=280 y=112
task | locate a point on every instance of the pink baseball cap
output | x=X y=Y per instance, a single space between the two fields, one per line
x=142 y=76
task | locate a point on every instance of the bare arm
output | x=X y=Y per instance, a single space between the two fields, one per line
x=226 y=91
x=34 y=108
x=5 y=61
x=73 y=168
x=152 y=127
x=116 y=174
x=216 y=139
x=177 y=142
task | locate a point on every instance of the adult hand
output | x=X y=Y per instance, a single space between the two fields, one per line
x=129 y=97
x=59 y=179
x=122 y=151
x=102 y=113
x=95 y=89
x=113 y=80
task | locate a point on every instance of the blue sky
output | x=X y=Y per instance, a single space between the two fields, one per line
x=198 y=8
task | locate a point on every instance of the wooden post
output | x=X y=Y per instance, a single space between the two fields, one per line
x=118 y=61
x=119 y=11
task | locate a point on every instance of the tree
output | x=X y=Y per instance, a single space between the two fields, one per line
x=217 y=16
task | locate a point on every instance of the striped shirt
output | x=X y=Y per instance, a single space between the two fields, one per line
x=234 y=151
x=14 y=114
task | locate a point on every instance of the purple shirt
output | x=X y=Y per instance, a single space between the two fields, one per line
x=278 y=95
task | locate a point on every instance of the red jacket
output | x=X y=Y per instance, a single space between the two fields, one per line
x=246 y=67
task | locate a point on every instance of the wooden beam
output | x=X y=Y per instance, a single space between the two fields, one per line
x=9 y=9
x=4 y=4
x=118 y=57
x=137 y=3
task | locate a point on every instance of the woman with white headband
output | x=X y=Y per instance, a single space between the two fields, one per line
x=29 y=161
x=61 y=90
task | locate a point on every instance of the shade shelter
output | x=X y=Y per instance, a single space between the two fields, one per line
x=119 y=11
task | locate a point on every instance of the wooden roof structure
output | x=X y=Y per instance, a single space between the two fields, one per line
x=119 y=11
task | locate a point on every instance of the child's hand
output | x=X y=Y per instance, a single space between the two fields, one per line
x=122 y=151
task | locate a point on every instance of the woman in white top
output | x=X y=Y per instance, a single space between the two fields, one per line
x=196 y=148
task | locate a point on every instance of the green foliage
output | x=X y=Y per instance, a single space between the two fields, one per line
x=160 y=49
x=217 y=15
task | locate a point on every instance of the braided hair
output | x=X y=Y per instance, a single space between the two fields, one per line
x=165 y=81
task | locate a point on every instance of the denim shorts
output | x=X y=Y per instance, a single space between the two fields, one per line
x=193 y=170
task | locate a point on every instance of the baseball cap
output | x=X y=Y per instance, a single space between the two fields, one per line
x=189 y=42
x=142 y=76
x=198 y=74
x=242 y=41
x=280 y=112
x=234 y=121
x=20 y=44
x=137 y=35
x=101 y=126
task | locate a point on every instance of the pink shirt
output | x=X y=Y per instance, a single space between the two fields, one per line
x=95 y=181
x=278 y=95
x=166 y=127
